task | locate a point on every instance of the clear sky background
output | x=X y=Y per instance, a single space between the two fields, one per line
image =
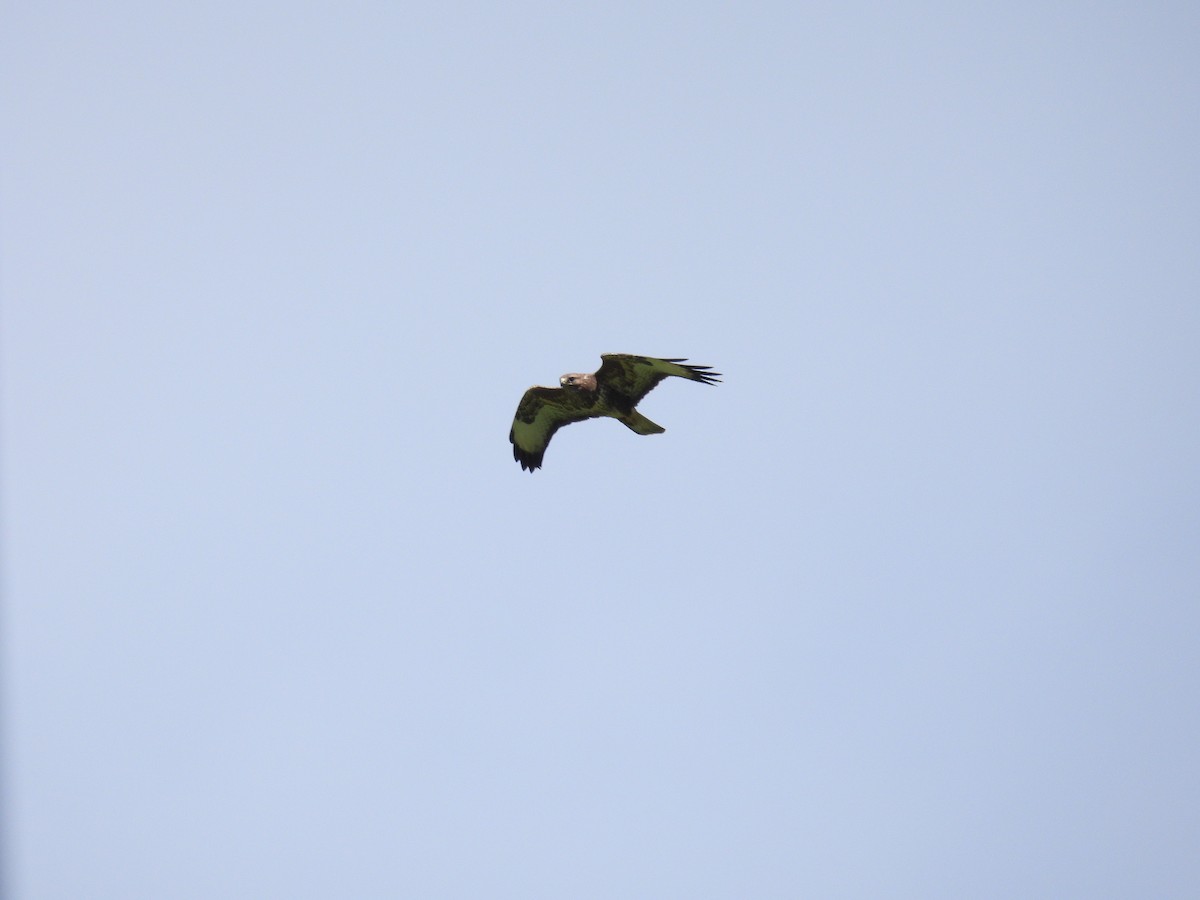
x=908 y=606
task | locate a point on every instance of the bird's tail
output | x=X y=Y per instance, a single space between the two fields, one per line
x=638 y=423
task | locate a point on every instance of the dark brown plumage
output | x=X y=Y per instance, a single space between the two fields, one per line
x=614 y=390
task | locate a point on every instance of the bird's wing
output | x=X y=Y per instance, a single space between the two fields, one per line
x=636 y=376
x=541 y=412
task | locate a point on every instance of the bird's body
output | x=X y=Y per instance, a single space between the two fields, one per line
x=613 y=390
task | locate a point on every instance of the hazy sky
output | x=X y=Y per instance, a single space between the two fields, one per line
x=909 y=606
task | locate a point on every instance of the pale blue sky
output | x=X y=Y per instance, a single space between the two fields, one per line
x=907 y=607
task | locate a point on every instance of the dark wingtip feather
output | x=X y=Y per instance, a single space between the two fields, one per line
x=528 y=461
x=703 y=374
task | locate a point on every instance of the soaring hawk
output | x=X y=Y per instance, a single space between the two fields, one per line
x=612 y=390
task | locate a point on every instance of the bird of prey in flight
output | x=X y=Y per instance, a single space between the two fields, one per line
x=612 y=390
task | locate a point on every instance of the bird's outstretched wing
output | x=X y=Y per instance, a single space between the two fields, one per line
x=635 y=376
x=541 y=412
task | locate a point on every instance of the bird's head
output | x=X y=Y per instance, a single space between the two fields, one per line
x=578 y=381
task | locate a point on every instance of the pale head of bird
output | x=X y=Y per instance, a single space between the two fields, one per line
x=578 y=381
